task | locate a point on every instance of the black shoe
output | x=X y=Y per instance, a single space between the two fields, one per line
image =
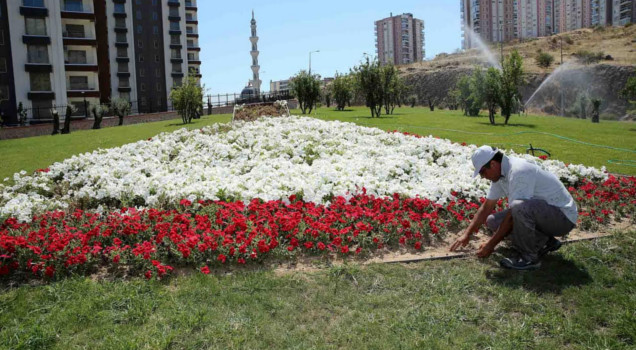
x=520 y=264
x=552 y=246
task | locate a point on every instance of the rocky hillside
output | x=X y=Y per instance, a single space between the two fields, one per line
x=604 y=79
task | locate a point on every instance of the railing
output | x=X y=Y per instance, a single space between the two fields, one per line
x=39 y=115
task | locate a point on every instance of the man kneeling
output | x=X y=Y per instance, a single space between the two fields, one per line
x=540 y=208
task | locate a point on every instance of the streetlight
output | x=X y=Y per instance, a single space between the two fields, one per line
x=310 y=52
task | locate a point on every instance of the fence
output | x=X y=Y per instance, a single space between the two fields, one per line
x=44 y=114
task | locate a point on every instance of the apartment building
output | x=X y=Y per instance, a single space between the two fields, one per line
x=400 y=39
x=61 y=52
x=503 y=20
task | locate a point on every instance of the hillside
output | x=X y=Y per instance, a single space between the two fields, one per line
x=432 y=80
x=618 y=42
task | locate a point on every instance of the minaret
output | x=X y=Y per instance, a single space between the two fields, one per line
x=256 y=82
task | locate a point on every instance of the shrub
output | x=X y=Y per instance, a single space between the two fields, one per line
x=568 y=40
x=306 y=88
x=121 y=108
x=187 y=99
x=544 y=59
x=589 y=57
x=98 y=111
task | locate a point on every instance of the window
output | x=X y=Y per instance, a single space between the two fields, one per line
x=122 y=52
x=73 y=5
x=77 y=57
x=120 y=8
x=174 y=12
x=158 y=72
x=138 y=14
x=155 y=15
x=74 y=31
x=4 y=92
x=1 y=37
x=156 y=44
x=140 y=29
x=176 y=68
x=157 y=58
x=190 y=43
x=142 y=87
x=189 y=30
x=123 y=83
x=142 y=72
x=175 y=40
x=121 y=37
x=40 y=81
x=176 y=54
x=34 y=3
x=140 y=43
x=120 y=22
x=37 y=54
x=158 y=86
x=125 y=95
x=35 y=26
x=174 y=25
x=141 y=58
x=3 y=65
x=177 y=81
x=78 y=82
x=155 y=29
x=122 y=67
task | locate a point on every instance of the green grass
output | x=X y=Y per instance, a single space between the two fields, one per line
x=582 y=298
x=39 y=152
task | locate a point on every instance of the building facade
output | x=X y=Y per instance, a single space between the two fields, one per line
x=504 y=20
x=400 y=39
x=91 y=51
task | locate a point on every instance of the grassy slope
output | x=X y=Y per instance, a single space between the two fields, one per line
x=39 y=152
x=582 y=298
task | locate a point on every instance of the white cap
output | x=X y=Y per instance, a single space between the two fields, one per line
x=481 y=157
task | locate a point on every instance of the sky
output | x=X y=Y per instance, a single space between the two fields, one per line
x=342 y=30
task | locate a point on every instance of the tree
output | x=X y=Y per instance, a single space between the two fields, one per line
x=98 y=111
x=581 y=106
x=544 y=59
x=306 y=88
x=22 y=114
x=629 y=93
x=368 y=81
x=511 y=79
x=342 y=90
x=390 y=87
x=491 y=92
x=70 y=109
x=187 y=99
x=121 y=108
x=476 y=97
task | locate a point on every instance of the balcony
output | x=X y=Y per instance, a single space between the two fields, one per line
x=77 y=11
x=33 y=11
x=41 y=95
x=36 y=39
x=38 y=67
x=174 y=3
x=193 y=48
x=73 y=40
x=80 y=67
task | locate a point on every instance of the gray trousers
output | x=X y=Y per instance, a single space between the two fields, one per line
x=534 y=221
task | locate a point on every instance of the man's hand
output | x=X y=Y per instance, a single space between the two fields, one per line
x=485 y=250
x=462 y=241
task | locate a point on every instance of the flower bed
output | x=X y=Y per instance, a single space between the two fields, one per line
x=273 y=188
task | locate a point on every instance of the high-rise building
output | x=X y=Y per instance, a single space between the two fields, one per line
x=503 y=20
x=61 y=52
x=400 y=39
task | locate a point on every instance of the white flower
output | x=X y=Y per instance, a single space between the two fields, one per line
x=271 y=158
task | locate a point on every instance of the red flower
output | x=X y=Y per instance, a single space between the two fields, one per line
x=221 y=258
x=116 y=259
x=185 y=203
x=418 y=245
x=205 y=270
x=148 y=274
x=344 y=249
x=321 y=246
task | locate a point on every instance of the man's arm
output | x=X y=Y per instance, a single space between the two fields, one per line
x=504 y=229
x=480 y=217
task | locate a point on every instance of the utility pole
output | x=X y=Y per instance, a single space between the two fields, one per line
x=561 y=37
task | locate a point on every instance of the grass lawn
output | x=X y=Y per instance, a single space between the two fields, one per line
x=583 y=296
x=542 y=132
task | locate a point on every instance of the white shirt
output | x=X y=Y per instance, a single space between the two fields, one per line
x=522 y=180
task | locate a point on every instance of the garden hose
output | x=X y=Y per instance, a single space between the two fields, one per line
x=622 y=162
